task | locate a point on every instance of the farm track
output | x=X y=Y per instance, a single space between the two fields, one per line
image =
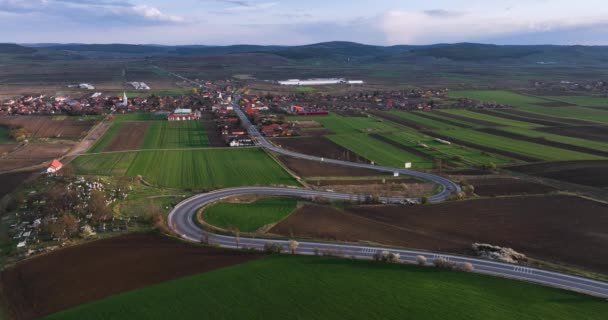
x=542 y=141
x=482 y=147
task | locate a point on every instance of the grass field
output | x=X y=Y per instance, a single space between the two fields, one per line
x=249 y=217
x=379 y=152
x=190 y=169
x=583 y=101
x=520 y=147
x=175 y=135
x=530 y=104
x=137 y=116
x=350 y=125
x=287 y=287
x=497 y=120
x=555 y=137
x=4 y=135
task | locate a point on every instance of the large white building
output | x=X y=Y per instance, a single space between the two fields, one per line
x=318 y=82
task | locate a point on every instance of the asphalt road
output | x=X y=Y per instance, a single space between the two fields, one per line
x=181 y=220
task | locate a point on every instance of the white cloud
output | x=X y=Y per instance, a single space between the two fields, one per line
x=434 y=26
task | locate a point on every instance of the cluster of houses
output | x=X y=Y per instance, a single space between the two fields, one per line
x=596 y=86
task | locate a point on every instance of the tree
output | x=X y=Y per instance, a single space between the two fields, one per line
x=421 y=260
x=272 y=248
x=293 y=246
x=98 y=207
x=466 y=267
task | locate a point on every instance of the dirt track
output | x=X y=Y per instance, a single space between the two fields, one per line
x=563 y=229
x=80 y=274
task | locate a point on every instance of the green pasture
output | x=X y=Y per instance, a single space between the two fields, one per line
x=175 y=135
x=249 y=217
x=309 y=287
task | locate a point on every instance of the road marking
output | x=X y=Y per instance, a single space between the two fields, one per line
x=523 y=270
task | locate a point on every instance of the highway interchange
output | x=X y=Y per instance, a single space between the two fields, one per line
x=181 y=221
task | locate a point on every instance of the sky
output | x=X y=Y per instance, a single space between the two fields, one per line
x=291 y=22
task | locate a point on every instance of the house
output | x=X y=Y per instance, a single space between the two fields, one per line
x=184 y=115
x=54 y=166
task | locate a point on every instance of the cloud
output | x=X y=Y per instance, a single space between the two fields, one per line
x=435 y=26
x=115 y=11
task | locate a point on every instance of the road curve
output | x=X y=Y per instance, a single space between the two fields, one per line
x=181 y=221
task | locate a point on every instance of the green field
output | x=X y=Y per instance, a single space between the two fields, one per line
x=249 y=217
x=350 y=125
x=493 y=119
x=379 y=152
x=190 y=169
x=583 y=101
x=530 y=104
x=288 y=287
x=564 y=139
x=4 y=135
x=518 y=146
x=175 y=135
x=137 y=116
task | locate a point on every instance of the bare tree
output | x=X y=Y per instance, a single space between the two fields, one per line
x=466 y=267
x=293 y=246
x=98 y=207
x=421 y=260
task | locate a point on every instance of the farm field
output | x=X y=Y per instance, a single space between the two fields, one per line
x=69 y=277
x=175 y=135
x=190 y=169
x=10 y=181
x=518 y=147
x=534 y=105
x=72 y=128
x=500 y=186
x=350 y=125
x=588 y=173
x=474 y=116
x=331 y=288
x=4 y=135
x=248 y=217
x=320 y=147
x=583 y=101
x=538 y=226
x=308 y=168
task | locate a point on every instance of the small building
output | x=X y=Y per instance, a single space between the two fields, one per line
x=184 y=115
x=54 y=166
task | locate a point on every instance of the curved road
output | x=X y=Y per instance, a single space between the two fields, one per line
x=181 y=220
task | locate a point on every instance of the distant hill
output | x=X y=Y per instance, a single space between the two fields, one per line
x=336 y=50
x=10 y=48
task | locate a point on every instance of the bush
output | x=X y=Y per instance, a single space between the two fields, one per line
x=386 y=256
x=424 y=200
x=272 y=248
x=421 y=260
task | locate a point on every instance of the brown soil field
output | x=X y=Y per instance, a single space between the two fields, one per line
x=470 y=120
x=453 y=123
x=495 y=186
x=587 y=173
x=545 y=142
x=468 y=172
x=69 y=277
x=41 y=151
x=46 y=127
x=316 y=132
x=354 y=182
x=213 y=134
x=12 y=164
x=320 y=147
x=7 y=148
x=531 y=115
x=561 y=229
x=517 y=118
x=597 y=133
x=10 y=181
x=482 y=147
x=399 y=120
x=307 y=168
x=129 y=137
